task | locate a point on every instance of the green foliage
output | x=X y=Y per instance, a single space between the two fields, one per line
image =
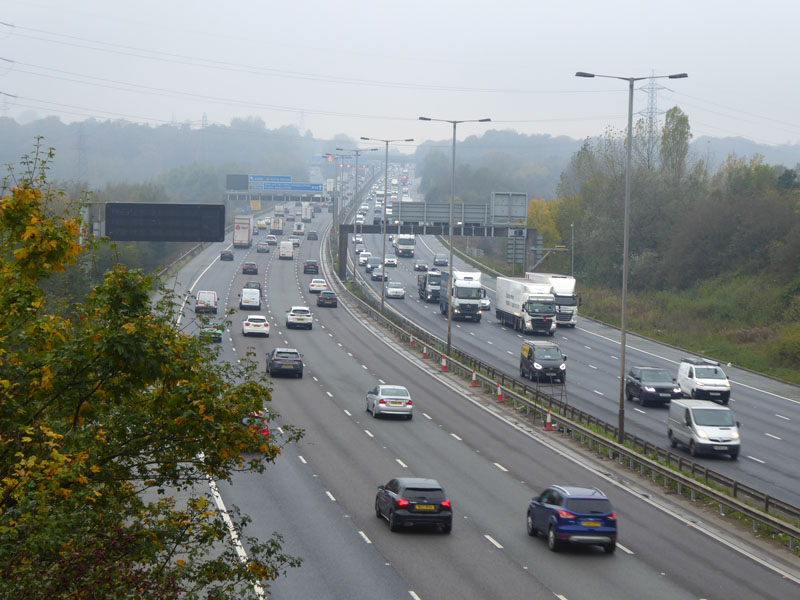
x=105 y=413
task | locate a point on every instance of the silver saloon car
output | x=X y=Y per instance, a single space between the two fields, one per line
x=390 y=400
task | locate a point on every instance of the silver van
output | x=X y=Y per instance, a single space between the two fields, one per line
x=703 y=427
x=250 y=298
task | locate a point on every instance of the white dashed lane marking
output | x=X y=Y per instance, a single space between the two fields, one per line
x=327 y=493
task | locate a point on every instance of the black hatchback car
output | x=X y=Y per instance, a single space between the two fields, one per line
x=542 y=360
x=411 y=501
x=285 y=361
x=226 y=255
x=327 y=298
x=312 y=235
x=651 y=385
x=250 y=268
x=311 y=266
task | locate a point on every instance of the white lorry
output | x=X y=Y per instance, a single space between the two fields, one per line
x=404 y=244
x=564 y=289
x=242 y=231
x=467 y=294
x=307 y=213
x=527 y=306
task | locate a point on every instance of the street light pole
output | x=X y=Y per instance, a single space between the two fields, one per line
x=450 y=222
x=385 y=197
x=357 y=152
x=572 y=251
x=626 y=235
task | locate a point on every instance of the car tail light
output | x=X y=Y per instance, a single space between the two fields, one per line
x=401 y=502
x=409 y=402
x=247 y=323
x=445 y=503
x=382 y=401
x=564 y=514
x=612 y=517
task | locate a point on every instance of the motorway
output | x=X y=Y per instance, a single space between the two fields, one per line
x=320 y=495
x=768 y=410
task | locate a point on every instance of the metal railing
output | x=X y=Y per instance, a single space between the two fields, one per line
x=688 y=478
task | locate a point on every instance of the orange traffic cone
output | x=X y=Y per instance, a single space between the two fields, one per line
x=548 y=425
x=500 y=394
x=425 y=352
x=444 y=364
x=474 y=378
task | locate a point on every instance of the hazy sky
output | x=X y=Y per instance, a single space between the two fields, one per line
x=371 y=68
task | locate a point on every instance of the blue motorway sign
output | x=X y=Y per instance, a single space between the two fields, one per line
x=269 y=178
x=288 y=187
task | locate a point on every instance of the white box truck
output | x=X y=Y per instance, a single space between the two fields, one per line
x=306 y=212
x=242 y=231
x=567 y=301
x=466 y=297
x=526 y=306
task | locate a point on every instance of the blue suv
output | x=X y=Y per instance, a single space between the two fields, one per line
x=573 y=515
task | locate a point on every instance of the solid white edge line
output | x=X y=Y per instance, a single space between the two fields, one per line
x=423 y=367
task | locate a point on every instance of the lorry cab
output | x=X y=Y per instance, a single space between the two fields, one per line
x=299 y=229
x=703 y=427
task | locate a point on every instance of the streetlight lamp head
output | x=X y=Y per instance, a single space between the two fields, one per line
x=679 y=76
x=409 y=140
x=424 y=118
x=365 y=138
x=583 y=74
x=484 y=120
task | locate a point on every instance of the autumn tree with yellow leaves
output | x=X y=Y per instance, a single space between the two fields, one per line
x=107 y=413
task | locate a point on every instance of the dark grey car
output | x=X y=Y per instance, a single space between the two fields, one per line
x=651 y=385
x=413 y=501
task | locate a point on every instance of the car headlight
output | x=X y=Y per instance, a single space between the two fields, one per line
x=702 y=434
x=735 y=435
x=650 y=389
x=563 y=367
x=480 y=311
x=700 y=384
x=537 y=366
x=676 y=390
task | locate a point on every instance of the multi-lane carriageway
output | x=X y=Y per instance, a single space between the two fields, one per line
x=320 y=494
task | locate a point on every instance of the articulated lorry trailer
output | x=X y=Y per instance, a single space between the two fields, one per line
x=567 y=301
x=526 y=306
x=242 y=231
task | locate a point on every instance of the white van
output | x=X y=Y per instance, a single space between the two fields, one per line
x=205 y=301
x=703 y=379
x=250 y=298
x=286 y=251
x=299 y=229
x=703 y=427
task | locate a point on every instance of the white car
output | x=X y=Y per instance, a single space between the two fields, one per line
x=317 y=285
x=390 y=400
x=486 y=304
x=299 y=316
x=391 y=260
x=255 y=325
x=395 y=289
x=359 y=238
x=295 y=240
x=362 y=257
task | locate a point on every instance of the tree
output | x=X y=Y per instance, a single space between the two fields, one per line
x=675 y=142
x=104 y=414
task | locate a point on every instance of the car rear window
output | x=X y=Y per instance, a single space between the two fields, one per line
x=427 y=494
x=589 y=506
x=257 y=319
x=300 y=311
x=394 y=391
x=287 y=355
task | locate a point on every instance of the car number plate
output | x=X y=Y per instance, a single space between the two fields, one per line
x=664 y=395
x=591 y=523
x=713 y=393
x=396 y=403
x=287 y=367
x=720 y=447
x=425 y=507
